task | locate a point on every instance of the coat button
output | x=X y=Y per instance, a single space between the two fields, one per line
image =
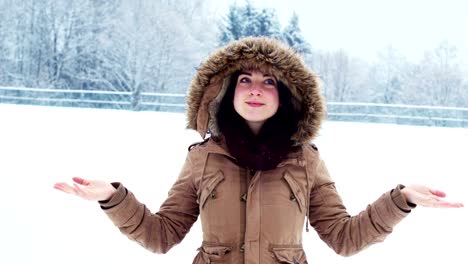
x=292 y=197
x=213 y=194
x=244 y=197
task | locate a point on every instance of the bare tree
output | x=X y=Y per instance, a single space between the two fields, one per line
x=388 y=77
x=437 y=79
x=343 y=76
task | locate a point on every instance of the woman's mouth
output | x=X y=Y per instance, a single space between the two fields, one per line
x=255 y=104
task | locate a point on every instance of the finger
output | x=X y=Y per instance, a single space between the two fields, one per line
x=59 y=186
x=437 y=193
x=445 y=204
x=456 y=205
x=64 y=188
x=440 y=203
x=81 y=181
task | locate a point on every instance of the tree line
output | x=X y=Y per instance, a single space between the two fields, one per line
x=123 y=45
x=155 y=46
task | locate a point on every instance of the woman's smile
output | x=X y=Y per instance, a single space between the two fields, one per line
x=254 y=103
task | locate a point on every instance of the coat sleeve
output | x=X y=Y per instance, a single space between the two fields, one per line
x=160 y=231
x=347 y=234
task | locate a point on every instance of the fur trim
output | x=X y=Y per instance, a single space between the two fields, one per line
x=269 y=56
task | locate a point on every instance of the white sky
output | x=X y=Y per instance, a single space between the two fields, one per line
x=365 y=27
x=145 y=150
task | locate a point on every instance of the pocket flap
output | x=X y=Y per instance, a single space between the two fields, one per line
x=290 y=255
x=216 y=253
x=209 y=187
x=216 y=250
x=295 y=190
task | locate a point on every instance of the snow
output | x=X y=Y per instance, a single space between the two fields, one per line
x=43 y=145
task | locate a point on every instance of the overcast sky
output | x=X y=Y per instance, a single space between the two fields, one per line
x=365 y=27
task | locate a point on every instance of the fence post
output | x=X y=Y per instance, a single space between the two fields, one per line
x=135 y=99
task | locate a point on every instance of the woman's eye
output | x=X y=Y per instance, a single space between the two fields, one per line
x=244 y=80
x=270 y=82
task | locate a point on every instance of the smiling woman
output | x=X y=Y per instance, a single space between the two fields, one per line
x=256 y=98
x=256 y=179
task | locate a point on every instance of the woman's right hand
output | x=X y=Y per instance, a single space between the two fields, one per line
x=87 y=189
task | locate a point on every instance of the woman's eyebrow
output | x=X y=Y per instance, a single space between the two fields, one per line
x=264 y=75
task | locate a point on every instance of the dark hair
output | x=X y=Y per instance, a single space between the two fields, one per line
x=273 y=142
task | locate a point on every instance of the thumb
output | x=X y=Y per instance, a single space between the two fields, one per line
x=438 y=193
x=81 y=181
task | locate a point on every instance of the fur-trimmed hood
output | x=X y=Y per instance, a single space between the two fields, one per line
x=269 y=56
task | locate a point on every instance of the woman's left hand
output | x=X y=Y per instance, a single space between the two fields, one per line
x=425 y=196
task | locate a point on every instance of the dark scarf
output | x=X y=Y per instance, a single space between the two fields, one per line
x=272 y=144
x=263 y=151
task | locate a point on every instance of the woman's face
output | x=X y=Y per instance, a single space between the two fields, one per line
x=256 y=98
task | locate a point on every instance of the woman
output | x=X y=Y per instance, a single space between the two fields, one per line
x=255 y=178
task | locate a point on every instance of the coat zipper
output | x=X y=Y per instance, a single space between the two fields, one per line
x=244 y=181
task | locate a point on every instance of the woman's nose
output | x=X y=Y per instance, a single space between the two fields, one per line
x=255 y=90
x=255 y=93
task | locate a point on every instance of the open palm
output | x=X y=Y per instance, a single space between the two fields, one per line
x=87 y=189
x=424 y=196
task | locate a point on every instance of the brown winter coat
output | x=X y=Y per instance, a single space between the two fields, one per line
x=254 y=216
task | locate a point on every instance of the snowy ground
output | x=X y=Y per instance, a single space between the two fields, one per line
x=42 y=145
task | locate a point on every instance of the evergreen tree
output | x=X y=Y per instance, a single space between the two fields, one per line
x=233 y=27
x=268 y=24
x=250 y=17
x=248 y=21
x=293 y=37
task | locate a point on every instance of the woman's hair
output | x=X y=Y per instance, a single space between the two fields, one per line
x=272 y=144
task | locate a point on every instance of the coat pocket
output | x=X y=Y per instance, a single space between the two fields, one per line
x=209 y=188
x=297 y=194
x=290 y=255
x=212 y=254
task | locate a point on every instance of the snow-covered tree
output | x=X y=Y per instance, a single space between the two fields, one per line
x=104 y=45
x=250 y=17
x=6 y=42
x=438 y=79
x=268 y=23
x=232 y=26
x=342 y=76
x=388 y=77
x=142 y=45
x=293 y=37
x=245 y=21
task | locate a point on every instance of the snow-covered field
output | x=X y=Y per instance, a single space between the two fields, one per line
x=43 y=145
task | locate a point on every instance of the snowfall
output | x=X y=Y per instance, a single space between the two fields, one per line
x=40 y=146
